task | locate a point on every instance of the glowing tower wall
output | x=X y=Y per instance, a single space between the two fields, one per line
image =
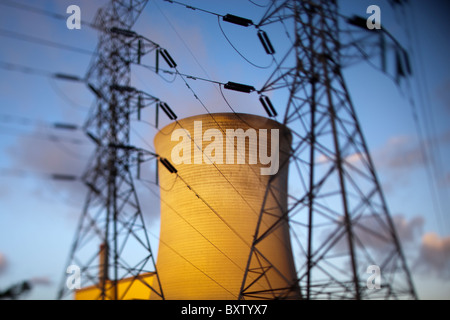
x=209 y=212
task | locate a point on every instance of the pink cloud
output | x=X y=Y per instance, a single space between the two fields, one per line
x=443 y=93
x=373 y=232
x=3 y=263
x=399 y=152
x=44 y=281
x=434 y=255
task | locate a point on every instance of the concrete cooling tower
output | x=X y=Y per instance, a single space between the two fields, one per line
x=210 y=206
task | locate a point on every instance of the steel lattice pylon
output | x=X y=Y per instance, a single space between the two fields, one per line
x=112 y=223
x=339 y=219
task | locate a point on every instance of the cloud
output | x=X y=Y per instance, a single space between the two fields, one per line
x=400 y=152
x=4 y=191
x=3 y=263
x=41 y=158
x=42 y=281
x=434 y=256
x=446 y=181
x=405 y=152
x=353 y=159
x=443 y=93
x=407 y=230
x=429 y=253
x=373 y=232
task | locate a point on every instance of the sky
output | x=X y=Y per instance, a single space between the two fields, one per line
x=38 y=215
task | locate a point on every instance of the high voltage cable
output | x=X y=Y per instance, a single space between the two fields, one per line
x=229 y=18
x=20 y=120
x=181 y=74
x=35 y=71
x=44 y=73
x=181 y=38
x=194 y=8
x=433 y=160
x=24 y=69
x=204 y=106
x=50 y=137
x=9 y=118
x=41 y=41
x=430 y=124
x=426 y=149
x=25 y=121
x=238 y=52
x=64 y=96
x=260 y=5
x=24 y=174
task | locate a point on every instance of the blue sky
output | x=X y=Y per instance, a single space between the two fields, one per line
x=38 y=216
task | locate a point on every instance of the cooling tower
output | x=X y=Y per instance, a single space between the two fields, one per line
x=210 y=207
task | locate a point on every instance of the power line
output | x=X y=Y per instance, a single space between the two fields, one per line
x=41 y=41
x=58 y=140
x=9 y=118
x=24 y=69
x=64 y=96
x=181 y=38
x=35 y=71
x=260 y=5
x=19 y=173
x=50 y=137
x=154 y=69
x=229 y=18
x=431 y=149
x=194 y=8
x=238 y=52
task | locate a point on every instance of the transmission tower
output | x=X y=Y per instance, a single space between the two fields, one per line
x=111 y=231
x=339 y=220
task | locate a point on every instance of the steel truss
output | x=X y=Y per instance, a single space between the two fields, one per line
x=111 y=231
x=338 y=217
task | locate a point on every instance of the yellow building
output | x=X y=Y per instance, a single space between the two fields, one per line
x=210 y=207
